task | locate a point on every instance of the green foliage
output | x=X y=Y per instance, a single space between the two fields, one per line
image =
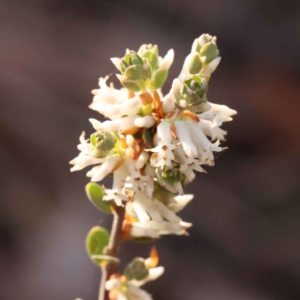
x=159 y=78
x=96 y=240
x=95 y=193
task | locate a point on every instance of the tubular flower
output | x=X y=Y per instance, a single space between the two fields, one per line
x=152 y=144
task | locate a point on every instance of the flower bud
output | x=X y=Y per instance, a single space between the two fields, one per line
x=194 y=89
x=103 y=143
x=201 y=41
x=204 y=57
x=191 y=93
x=171 y=176
x=151 y=54
x=134 y=67
x=136 y=269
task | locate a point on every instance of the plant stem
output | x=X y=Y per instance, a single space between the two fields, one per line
x=112 y=250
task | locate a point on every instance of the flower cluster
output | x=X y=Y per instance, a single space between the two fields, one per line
x=152 y=144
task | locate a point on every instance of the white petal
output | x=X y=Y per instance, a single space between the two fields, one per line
x=135 y=293
x=140 y=230
x=80 y=162
x=106 y=168
x=114 y=283
x=181 y=202
x=211 y=67
x=167 y=60
x=164 y=133
x=117 y=62
x=141 y=161
x=96 y=124
x=147 y=121
x=166 y=213
x=184 y=136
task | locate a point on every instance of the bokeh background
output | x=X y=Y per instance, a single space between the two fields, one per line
x=245 y=242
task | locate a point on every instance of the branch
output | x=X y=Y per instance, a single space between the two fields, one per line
x=112 y=250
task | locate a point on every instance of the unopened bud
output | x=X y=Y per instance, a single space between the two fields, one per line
x=150 y=53
x=191 y=93
x=103 y=143
x=195 y=63
x=134 y=67
x=171 y=176
x=210 y=51
x=136 y=269
x=204 y=52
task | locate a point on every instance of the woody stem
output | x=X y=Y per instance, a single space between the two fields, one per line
x=112 y=250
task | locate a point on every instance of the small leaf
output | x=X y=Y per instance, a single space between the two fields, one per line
x=134 y=72
x=130 y=85
x=96 y=240
x=210 y=50
x=195 y=64
x=95 y=193
x=159 y=78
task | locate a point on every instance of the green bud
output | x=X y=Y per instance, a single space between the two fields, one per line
x=151 y=54
x=95 y=194
x=136 y=269
x=206 y=46
x=159 y=78
x=171 y=176
x=195 y=63
x=103 y=143
x=194 y=90
x=210 y=50
x=134 y=67
x=206 y=38
x=96 y=240
x=201 y=41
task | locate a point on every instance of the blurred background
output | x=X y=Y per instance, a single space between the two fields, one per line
x=245 y=242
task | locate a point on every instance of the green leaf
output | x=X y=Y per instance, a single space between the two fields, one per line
x=152 y=59
x=159 y=78
x=211 y=52
x=96 y=240
x=130 y=85
x=134 y=72
x=195 y=64
x=95 y=193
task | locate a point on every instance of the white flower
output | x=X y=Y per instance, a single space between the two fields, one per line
x=154 y=216
x=109 y=164
x=116 y=195
x=218 y=113
x=164 y=149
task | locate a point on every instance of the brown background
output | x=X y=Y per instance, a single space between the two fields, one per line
x=245 y=240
